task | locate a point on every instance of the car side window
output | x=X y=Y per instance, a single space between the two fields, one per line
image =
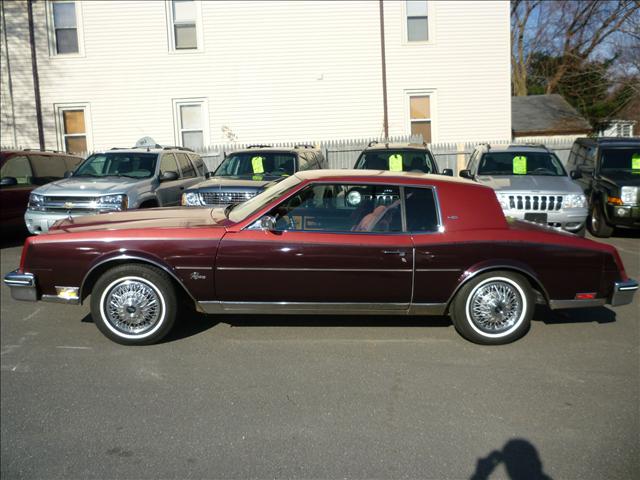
x=188 y=171
x=199 y=164
x=342 y=208
x=18 y=167
x=303 y=162
x=168 y=164
x=422 y=212
x=47 y=168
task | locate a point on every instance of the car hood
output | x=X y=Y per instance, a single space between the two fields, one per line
x=87 y=186
x=622 y=178
x=530 y=183
x=255 y=183
x=144 y=219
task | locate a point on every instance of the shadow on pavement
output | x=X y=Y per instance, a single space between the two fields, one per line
x=575 y=315
x=520 y=459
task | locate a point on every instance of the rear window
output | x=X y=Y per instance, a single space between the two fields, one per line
x=396 y=161
x=422 y=212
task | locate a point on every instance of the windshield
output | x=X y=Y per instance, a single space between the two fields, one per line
x=520 y=163
x=120 y=164
x=249 y=164
x=620 y=160
x=396 y=161
x=243 y=210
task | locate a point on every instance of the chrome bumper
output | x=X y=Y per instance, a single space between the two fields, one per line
x=623 y=292
x=22 y=285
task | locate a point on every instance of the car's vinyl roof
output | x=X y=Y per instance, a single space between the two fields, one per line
x=360 y=175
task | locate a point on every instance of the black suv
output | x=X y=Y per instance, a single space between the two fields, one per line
x=608 y=170
x=245 y=173
x=398 y=157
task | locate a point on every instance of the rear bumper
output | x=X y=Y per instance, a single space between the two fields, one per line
x=22 y=285
x=623 y=293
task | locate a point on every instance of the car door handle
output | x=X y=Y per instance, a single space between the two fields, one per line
x=394 y=252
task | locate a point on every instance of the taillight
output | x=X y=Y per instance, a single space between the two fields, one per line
x=620 y=265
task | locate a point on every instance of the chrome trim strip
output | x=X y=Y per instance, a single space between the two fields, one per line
x=427 y=309
x=292 y=308
x=592 y=302
x=15 y=279
x=193 y=268
x=438 y=269
x=279 y=269
x=57 y=299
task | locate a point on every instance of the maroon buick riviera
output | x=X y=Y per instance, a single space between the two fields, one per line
x=323 y=242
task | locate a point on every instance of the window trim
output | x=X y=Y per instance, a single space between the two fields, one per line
x=177 y=120
x=59 y=109
x=51 y=30
x=430 y=30
x=433 y=109
x=171 y=39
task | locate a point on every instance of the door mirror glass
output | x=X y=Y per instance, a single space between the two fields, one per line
x=466 y=174
x=8 y=181
x=448 y=172
x=575 y=174
x=168 y=176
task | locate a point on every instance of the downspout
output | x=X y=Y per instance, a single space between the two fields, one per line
x=384 y=73
x=36 y=81
x=10 y=82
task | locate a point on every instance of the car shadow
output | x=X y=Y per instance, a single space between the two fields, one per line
x=626 y=233
x=520 y=459
x=574 y=315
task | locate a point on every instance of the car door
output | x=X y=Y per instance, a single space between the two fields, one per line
x=169 y=192
x=347 y=248
x=14 y=198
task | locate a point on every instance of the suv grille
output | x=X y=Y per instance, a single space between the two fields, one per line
x=69 y=203
x=225 y=198
x=536 y=203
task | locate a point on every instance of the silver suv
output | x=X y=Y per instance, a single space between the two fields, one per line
x=531 y=184
x=116 y=180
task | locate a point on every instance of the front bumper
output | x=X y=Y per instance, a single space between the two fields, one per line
x=22 y=285
x=623 y=215
x=39 y=222
x=623 y=292
x=571 y=221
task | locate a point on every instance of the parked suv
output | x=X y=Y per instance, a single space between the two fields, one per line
x=21 y=171
x=608 y=170
x=115 y=180
x=531 y=184
x=245 y=173
x=398 y=157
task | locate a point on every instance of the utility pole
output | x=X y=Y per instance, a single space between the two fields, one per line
x=36 y=80
x=384 y=73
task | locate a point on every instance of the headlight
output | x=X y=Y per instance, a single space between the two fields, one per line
x=113 y=202
x=36 y=202
x=629 y=195
x=574 y=201
x=503 y=198
x=191 y=199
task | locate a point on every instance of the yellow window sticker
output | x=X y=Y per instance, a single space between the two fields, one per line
x=635 y=161
x=520 y=165
x=395 y=162
x=256 y=164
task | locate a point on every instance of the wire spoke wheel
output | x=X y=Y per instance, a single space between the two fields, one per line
x=133 y=306
x=495 y=307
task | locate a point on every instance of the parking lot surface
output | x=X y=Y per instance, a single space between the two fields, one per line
x=320 y=397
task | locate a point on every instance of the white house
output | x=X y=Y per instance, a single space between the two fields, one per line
x=194 y=73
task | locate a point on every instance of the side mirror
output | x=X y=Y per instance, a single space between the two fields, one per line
x=448 y=172
x=268 y=223
x=466 y=174
x=8 y=181
x=575 y=174
x=68 y=174
x=209 y=175
x=168 y=176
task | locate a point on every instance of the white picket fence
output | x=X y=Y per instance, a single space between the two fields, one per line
x=343 y=153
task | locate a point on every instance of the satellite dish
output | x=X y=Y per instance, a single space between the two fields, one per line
x=147 y=142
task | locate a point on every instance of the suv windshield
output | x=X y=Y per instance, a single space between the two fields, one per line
x=119 y=164
x=248 y=164
x=620 y=160
x=396 y=161
x=520 y=163
x=243 y=210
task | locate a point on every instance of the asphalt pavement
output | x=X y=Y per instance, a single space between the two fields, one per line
x=320 y=397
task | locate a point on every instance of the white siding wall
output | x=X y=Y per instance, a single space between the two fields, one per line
x=270 y=71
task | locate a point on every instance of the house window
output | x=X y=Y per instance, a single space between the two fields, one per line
x=73 y=128
x=417 y=21
x=65 y=28
x=184 y=22
x=420 y=116
x=191 y=121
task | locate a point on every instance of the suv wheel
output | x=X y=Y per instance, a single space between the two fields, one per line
x=597 y=223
